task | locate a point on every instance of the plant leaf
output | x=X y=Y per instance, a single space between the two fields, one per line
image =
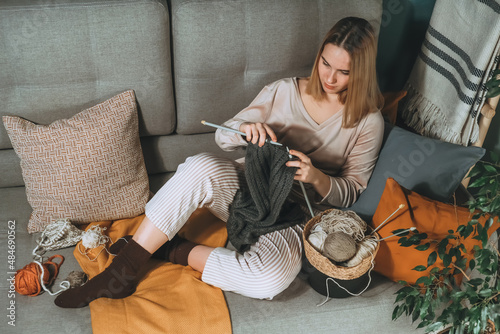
x=424 y=280
x=476 y=281
x=472 y=264
x=493 y=155
x=423 y=247
x=486 y=293
x=431 y=259
x=490 y=168
x=479 y=182
x=492 y=92
x=420 y=268
x=434 y=326
x=492 y=83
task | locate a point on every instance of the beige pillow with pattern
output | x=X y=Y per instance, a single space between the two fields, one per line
x=86 y=168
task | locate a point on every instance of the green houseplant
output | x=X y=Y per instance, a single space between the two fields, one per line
x=493 y=85
x=437 y=300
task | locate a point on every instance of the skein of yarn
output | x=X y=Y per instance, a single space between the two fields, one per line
x=317 y=238
x=33 y=277
x=339 y=246
x=94 y=237
x=365 y=248
x=76 y=278
x=344 y=221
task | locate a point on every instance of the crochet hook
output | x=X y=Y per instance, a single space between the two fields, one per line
x=235 y=131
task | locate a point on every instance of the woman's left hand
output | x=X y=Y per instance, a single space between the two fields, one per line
x=306 y=172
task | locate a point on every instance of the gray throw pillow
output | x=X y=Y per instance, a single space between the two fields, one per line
x=430 y=167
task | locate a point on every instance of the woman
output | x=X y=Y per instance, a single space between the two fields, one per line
x=332 y=122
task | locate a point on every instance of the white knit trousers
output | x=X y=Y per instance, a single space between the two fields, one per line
x=204 y=180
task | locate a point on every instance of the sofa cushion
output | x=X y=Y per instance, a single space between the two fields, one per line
x=432 y=168
x=86 y=168
x=391 y=102
x=431 y=217
x=60 y=57
x=225 y=52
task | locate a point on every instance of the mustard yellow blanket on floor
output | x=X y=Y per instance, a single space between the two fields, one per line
x=169 y=298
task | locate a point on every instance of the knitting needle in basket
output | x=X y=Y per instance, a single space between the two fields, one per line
x=235 y=131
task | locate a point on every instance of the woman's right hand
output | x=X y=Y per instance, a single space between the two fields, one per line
x=258 y=132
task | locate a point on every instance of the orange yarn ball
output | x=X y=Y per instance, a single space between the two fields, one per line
x=27 y=280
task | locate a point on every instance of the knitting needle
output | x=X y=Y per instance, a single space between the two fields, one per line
x=235 y=131
x=385 y=221
x=303 y=189
x=306 y=198
x=400 y=232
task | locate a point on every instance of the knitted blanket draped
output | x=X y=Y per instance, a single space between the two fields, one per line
x=260 y=206
x=446 y=88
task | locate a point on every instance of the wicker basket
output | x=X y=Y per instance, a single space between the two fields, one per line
x=324 y=265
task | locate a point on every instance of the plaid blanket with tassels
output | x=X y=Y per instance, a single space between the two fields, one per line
x=446 y=88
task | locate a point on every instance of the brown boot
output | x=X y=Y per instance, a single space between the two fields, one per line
x=117 y=281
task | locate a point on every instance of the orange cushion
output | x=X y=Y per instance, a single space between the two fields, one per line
x=428 y=216
x=390 y=109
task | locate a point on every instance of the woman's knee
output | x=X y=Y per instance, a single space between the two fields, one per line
x=206 y=164
x=269 y=282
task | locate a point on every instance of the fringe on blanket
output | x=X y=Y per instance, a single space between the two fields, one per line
x=446 y=88
x=420 y=114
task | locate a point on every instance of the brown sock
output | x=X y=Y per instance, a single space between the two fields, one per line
x=176 y=250
x=117 y=246
x=116 y=281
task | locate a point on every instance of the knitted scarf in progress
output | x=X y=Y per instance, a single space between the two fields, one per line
x=260 y=206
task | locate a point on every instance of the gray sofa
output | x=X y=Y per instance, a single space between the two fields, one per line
x=187 y=60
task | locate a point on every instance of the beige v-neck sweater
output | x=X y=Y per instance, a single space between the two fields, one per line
x=346 y=155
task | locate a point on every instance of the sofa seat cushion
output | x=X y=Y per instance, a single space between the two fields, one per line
x=32 y=314
x=294 y=311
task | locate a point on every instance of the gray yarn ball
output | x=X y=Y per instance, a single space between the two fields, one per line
x=76 y=278
x=339 y=246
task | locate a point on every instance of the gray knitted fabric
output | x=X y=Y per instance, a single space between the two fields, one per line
x=260 y=206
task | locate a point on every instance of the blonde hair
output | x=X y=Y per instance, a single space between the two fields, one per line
x=362 y=96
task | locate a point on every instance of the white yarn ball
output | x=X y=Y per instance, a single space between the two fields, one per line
x=365 y=248
x=317 y=239
x=93 y=237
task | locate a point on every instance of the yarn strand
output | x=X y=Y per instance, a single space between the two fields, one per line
x=64 y=284
x=349 y=292
x=93 y=238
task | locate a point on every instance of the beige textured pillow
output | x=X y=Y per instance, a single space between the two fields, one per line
x=86 y=168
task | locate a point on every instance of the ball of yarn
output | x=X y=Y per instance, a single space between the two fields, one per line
x=94 y=237
x=365 y=249
x=317 y=238
x=339 y=246
x=344 y=221
x=27 y=280
x=76 y=278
